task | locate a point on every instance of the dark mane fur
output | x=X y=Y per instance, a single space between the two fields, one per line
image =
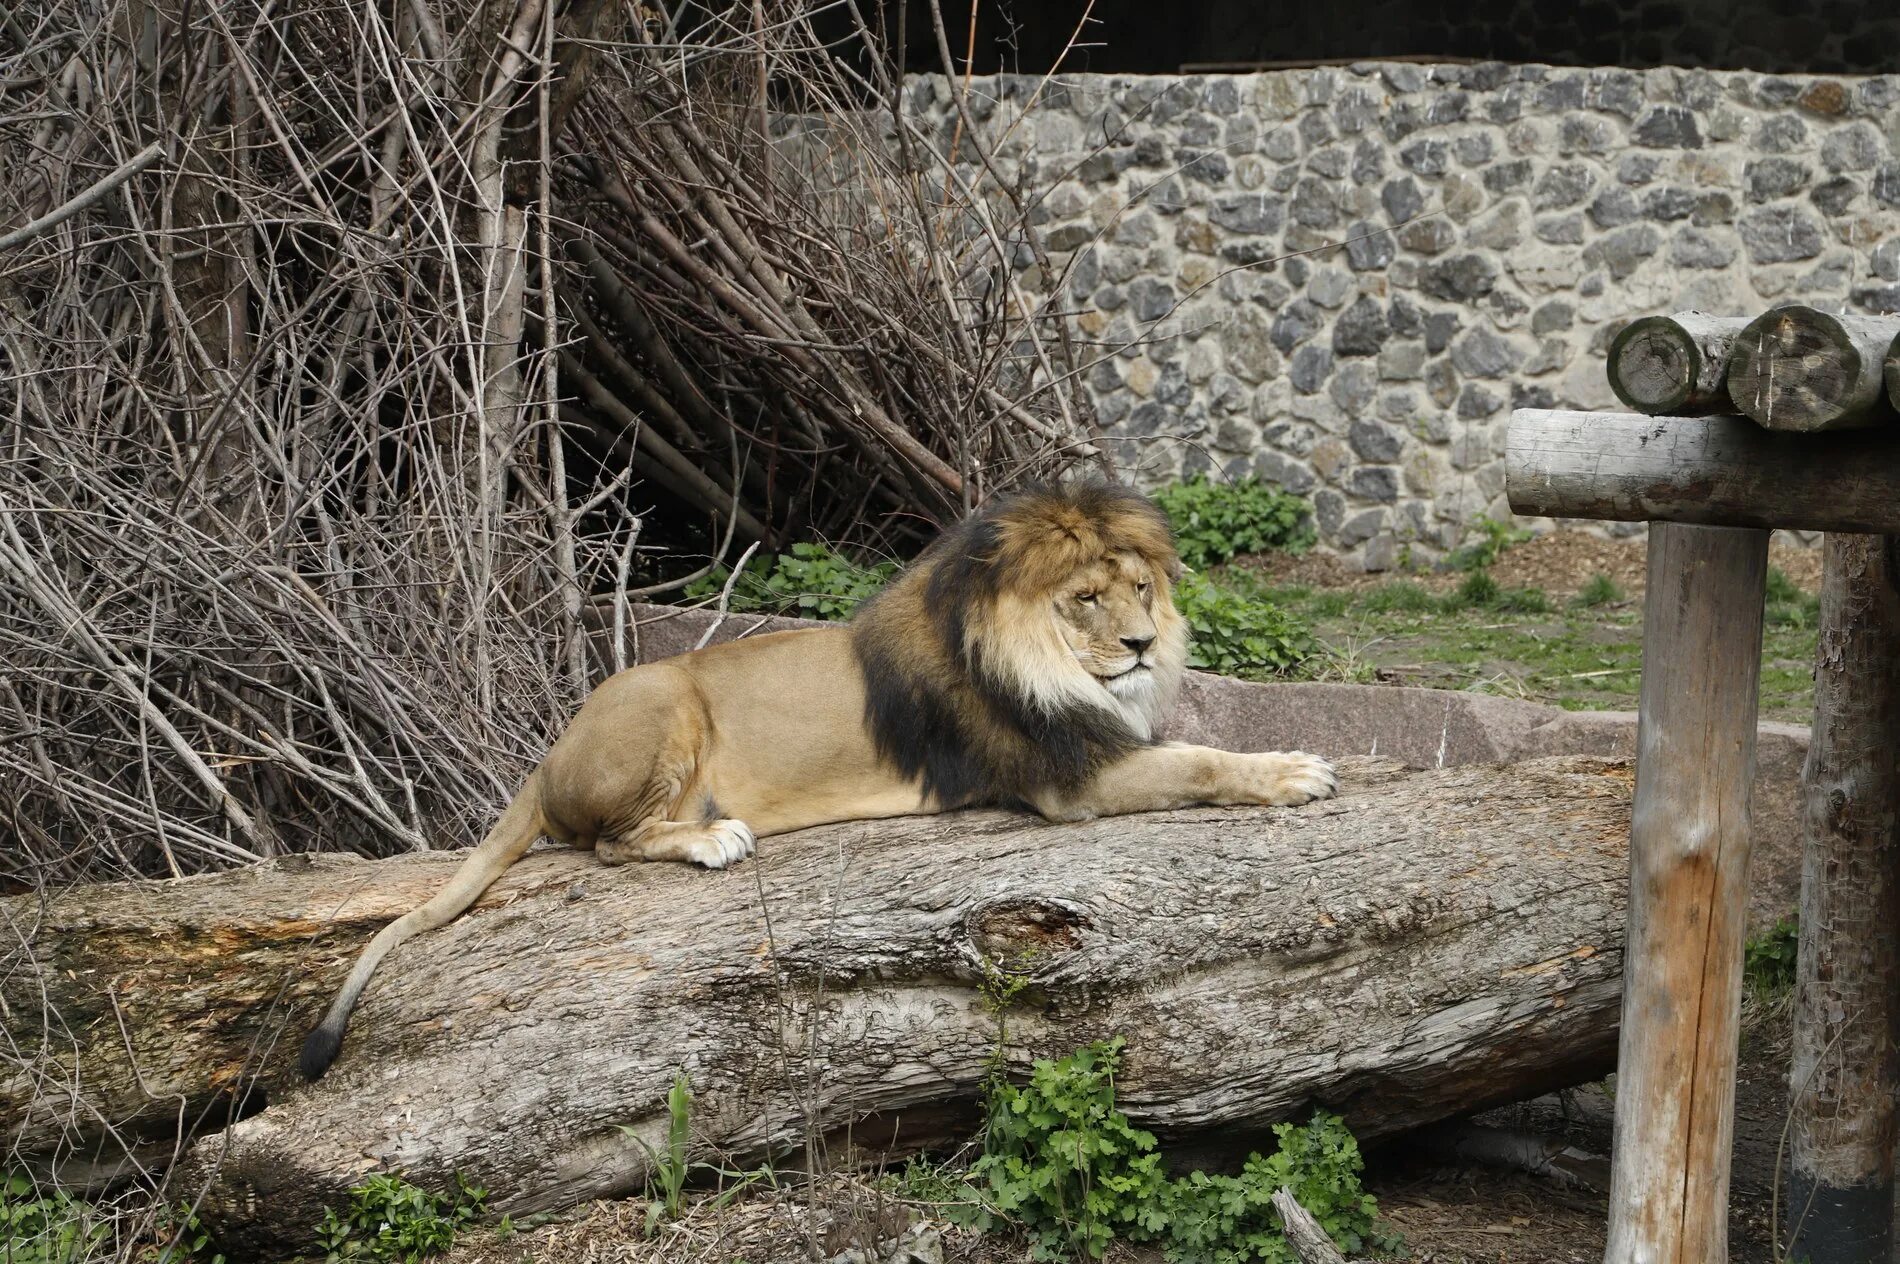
x=936 y=708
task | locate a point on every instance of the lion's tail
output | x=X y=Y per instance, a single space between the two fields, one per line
x=508 y=842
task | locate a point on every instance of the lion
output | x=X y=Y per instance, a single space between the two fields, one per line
x=1022 y=661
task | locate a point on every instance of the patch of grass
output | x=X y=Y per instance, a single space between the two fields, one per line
x=1065 y=1166
x=1768 y=960
x=1787 y=606
x=47 y=1226
x=1493 y=539
x=390 y=1220
x=1217 y=521
x=1601 y=590
x=1399 y=594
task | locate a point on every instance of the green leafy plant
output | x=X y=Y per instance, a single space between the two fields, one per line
x=811 y=581
x=667 y=1180
x=1768 y=960
x=1069 y=1169
x=46 y=1226
x=1493 y=538
x=1600 y=590
x=390 y=1219
x=1217 y=521
x=1238 y=632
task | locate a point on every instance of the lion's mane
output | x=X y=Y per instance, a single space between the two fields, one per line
x=969 y=682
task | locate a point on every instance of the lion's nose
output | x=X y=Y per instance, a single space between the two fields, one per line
x=1139 y=644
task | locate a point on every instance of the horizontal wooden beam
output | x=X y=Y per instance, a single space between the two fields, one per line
x=1716 y=471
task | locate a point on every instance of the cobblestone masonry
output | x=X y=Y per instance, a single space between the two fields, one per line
x=1463 y=240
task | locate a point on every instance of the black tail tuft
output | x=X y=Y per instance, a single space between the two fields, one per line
x=319 y=1051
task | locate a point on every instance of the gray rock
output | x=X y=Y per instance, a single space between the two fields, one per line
x=1253 y=213
x=1482 y=353
x=1150 y=299
x=1667 y=127
x=1110 y=298
x=1553 y=317
x=1507 y=177
x=1312 y=364
x=1440 y=329
x=1855 y=147
x=1474 y=149
x=1614 y=208
x=1565 y=184
x=1767 y=179
x=1204 y=166
x=1624 y=250
x=1361 y=329
x=1368 y=162
x=1426 y=157
x=1560 y=230
x=1886 y=259
x=1355 y=110
x=1637 y=169
x=1669 y=202
x=1476 y=402
x=1835 y=197
x=1363 y=525
x=1401 y=361
x=1407 y=320
x=1371 y=482
x=1713 y=208
x=1353 y=387
x=1886 y=185
x=1616 y=92
x=1879 y=300
x=1277 y=467
x=1429 y=236
x=1779 y=234
x=1367 y=248
x=1314 y=203
x=1315 y=128
x=1069 y=236
x=1282 y=145
x=1329 y=287
x=1151 y=150
x=1223 y=94
x=1460 y=278
x=1297 y=321
x=1503 y=229
x=1441 y=383
x=1586 y=134
x=1562 y=92
x=1401 y=199
x=1781 y=134
x=1198 y=130
x=1172 y=386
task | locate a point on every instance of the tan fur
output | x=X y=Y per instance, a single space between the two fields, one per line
x=1063 y=604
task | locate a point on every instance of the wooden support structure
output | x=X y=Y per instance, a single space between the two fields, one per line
x=1846 y=1070
x=1711 y=488
x=1674 y=365
x=1803 y=369
x=1719 y=471
x=1682 y=972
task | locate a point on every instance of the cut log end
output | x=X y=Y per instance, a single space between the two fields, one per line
x=1798 y=368
x=1674 y=365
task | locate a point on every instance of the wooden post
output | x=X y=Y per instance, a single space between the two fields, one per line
x=1682 y=966
x=1719 y=471
x=1674 y=365
x=1839 y=1208
x=1800 y=368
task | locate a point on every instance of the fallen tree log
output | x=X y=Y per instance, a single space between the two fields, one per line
x=1429 y=943
x=1674 y=366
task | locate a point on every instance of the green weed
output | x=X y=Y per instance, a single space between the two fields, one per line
x=811 y=581
x=1768 y=960
x=47 y=1226
x=1063 y=1164
x=1600 y=590
x=1217 y=521
x=1239 y=631
x=1494 y=538
x=389 y=1219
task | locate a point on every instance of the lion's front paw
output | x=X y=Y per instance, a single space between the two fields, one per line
x=726 y=842
x=1285 y=778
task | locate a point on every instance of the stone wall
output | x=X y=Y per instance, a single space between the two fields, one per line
x=1343 y=279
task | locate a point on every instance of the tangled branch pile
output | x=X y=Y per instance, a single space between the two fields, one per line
x=346 y=349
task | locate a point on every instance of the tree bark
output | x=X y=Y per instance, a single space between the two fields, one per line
x=1427 y=944
x=1846 y=1060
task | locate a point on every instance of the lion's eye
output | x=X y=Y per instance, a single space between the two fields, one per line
x=1143 y=587
x=1086 y=598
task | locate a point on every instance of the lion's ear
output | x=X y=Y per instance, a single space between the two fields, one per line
x=1173 y=568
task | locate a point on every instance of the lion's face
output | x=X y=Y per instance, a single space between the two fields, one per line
x=1107 y=616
